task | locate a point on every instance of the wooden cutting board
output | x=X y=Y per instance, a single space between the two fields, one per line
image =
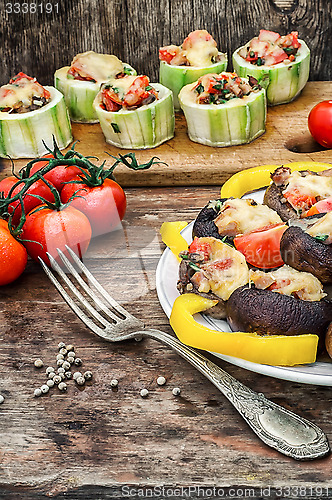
x=189 y=163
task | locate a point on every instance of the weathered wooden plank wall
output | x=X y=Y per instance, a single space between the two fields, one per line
x=40 y=42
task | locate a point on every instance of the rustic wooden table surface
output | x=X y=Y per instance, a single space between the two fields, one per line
x=98 y=442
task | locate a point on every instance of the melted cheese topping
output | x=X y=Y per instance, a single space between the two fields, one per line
x=239 y=216
x=100 y=67
x=289 y=281
x=11 y=94
x=311 y=185
x=201 y=53
x=121 y=85
x=225 y=271
x=322 y=227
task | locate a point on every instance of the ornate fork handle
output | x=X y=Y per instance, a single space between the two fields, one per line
x=278 y=427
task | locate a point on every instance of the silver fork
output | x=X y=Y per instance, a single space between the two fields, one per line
x=277 y=427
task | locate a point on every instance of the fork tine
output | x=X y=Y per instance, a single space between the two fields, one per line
x=98 y=286
x=80 y=313
x=87 y=289
x=77 y=293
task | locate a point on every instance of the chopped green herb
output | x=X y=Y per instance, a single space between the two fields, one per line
x=260 y=61
x=212 y=98
x=193 y=266
x=148 y=87
x=127 y=71
x=252 y=53
x=218 y=86
x=321 y=237
x=115 y=127
x=115 y=89
x=199 y=89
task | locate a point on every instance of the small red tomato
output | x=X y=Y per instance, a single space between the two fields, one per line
x=30 y=202
x=320 y=123
x=199 y=246
x=48 y=230
x=261 y=248
x=104 y=205
x=58 y=175
x=13 y=255
x=322 y=206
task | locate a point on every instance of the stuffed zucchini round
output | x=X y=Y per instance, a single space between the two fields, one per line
x=31 y=116
x=135 y=114
x=80 y=82
x=224 y=110
x=279 y=63
x=181 y=65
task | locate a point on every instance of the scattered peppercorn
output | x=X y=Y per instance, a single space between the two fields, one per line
x=70 y=360
x=68 y=375
x=62 y=386
x=87 y=375
x=39 y=363
x=37 y=393
x=144 y=393
x=57 y=379
x=70 y=347
x=114 y=382
x=77 y=375
x=66 y=366
x=78 y=361
x=63 y=351
x=50 y=383
x=161 y=381
x=176 y=391
x=80 y=380
x=1 y=399
x=49 y=370
x=70 y=354
x=61 y=345
x=44 y=388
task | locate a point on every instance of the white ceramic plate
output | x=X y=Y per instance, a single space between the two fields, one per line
x=319 y=373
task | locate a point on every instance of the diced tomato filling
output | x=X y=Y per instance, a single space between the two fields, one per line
x=321 y=206
x=74 y=72
x=299 y=201
x=168 y=53
x=204 y=248
x=174 y=54
x=138 y=92
x=270 y=48
x=279 y=284
x=196 y=37
x=22 y=101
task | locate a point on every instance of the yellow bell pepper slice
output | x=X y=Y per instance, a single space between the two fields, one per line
x=259 y=177
x=282 y=350
x=170 y=234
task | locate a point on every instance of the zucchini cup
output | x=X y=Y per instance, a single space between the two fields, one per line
x=137 y=115
x=80 y=82
x=31 y=117
x=181 y=65
x=224 y=110
x=280 y=64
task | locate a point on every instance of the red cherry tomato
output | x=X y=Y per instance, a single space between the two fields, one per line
x=199 y=246
x=58 y=175
x=104 y=205
x=320 y=207
x=13 y=255
x=30 y=202
x=261 y=248
x=48 y=230
x=320 y=123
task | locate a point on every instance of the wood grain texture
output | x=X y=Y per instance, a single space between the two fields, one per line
x=39 y=43
x=93 y=442
x=190 y=163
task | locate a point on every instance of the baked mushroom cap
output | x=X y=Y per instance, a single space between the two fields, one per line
x=304 y=253
x=250 y=309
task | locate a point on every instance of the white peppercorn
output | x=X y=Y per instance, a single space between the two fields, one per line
x=51 y=375
x=70 y=360
x=71 y=348
x=61 y=345
x=60 y=362
x=144 y=393
x=176 y=391
x=60 y=356
x=57 y=379
x=66 y=366
x=68 y=375
x=44 y=388
x=1 y=399
x=77 y=375
x=70 y=354
x=37 y=393
x=63 y=351
x=87 y=375
x=161 y=381
x=49 y=369
x=38 y=363
x=62 y=386
x=80 y=380
x=50 y=383
x=61 y=370
x=78 y=361
x=114 y=382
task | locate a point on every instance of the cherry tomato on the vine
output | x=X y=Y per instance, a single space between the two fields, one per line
x=104 y=205
x=320 y=123
x=48 y=230
x=30 y=202
x=58 y=175
x=13 y=255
